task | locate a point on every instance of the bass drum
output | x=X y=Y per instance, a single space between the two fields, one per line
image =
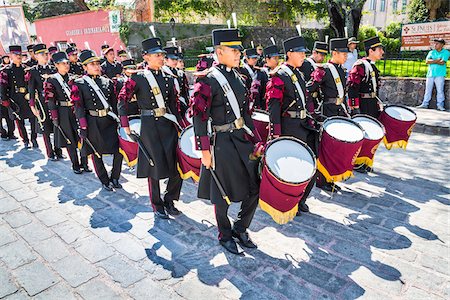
x=127 y=146
x=189 y=159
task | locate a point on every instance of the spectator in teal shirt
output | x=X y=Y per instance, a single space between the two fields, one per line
x=437 y=69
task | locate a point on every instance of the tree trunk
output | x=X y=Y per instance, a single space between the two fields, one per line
x=81 y=4
x=343 y=14
x=433 y=6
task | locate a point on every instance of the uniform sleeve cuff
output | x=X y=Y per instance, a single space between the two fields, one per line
x=83 y=123
x=32 y=102
x=202 y=142
x=124 y=121
x=275 y=129
x=353 y=102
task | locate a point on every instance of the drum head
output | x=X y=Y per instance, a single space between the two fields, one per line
x=373 y=130
x=400 y=113
x=135 y=125
x=187 y=143
x=290 y=160
x=261 y=116
x=343 y=129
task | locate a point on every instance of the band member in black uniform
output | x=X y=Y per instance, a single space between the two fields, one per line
x=110 y=67
x=76 y=68
x=260 y=51
x=226 y=150
x=256 y=79
x=318 y=55
x=290 y=110
x=122 y=55
x=158 y=103
x=96 y=110
x=5 y=61
x=31 y=61
x=129 y=68
x=271 y=59
x=13 y=87
x=5 y=103
x=328 y=81
x=364 y=80
x=181 y=84
x=57 y=96
x=36 y=77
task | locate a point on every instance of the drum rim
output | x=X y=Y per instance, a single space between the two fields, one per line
x=261 y=111
x=179 y=141
x=340 y=118
x=402 y=106
x=373 y=119
x=295 y=140
x=120 y=127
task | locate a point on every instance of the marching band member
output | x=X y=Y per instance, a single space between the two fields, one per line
x=271 y=58
x=57 y=96
x=36 y=77
x=110 y=67
x=158 y=103
x=76 y=68
x=122 y=55
x=31 y=61
x=318 y=55
x=290 y=110
x=226 y=153
x=255 y=79
x=95 y=108
x=364 y=80
x=13 y=86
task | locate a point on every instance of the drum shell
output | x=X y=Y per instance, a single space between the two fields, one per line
x=397 y=131
x=369 y=146
x=188 y=167
x=129 y=149
x=261 y=127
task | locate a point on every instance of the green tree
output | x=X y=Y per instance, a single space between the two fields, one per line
x=345 y=13
x=417 y=11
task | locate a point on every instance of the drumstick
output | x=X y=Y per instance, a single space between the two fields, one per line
x=219 y=186
x=92 y=147
x=137 y=138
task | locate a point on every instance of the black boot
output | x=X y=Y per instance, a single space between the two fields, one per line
x=171 y=209
x=244 y=239
x=115 y=183
x=230 y=246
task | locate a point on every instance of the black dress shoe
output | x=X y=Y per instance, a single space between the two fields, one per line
x=162 y=214
x=5 y=138
x=171 y=209
x=107 y=187
x=86 y=169
x=244 y=239
x=326 y=187
x=360 y=169
x=303 y=207
x=26 y=145
x=230 y=246
x=13 y=137
x=77 y=171
x=35 y=144
x=61 y=156
x=115 y=183
x=53 y=157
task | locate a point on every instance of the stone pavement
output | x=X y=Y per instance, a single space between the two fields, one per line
x=385 y=236
x=432 y=121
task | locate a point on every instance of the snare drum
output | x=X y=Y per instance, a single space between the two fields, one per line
x=287 y=168
x=261 y=120
x=127 y=146
x=340 y=142
x=373 y=134
x=399 y=122
x=189 y=159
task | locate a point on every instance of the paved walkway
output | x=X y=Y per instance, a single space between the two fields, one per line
x=385 y=236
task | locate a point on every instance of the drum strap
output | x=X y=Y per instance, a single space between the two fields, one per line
x=250 y=71
x=294 y=79
x=62 y=83
x=338 y=81
x=370 y=73
x=158 y=96
x=177 y=84
x=101 y=96
x=312 y=62
x=229 y=94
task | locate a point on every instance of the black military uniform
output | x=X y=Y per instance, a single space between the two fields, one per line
x=258 y=80
x=363 y=83
x=14 y=86
x=322 y=82
x=159 y=135
x=60 y=105
x=30 y=62
x=269 y=51
x=76 y=68
x=229 y=146
x=98 y=123
x=290 y=110
x=36 y=77
x=109 y=69
x=132 y=106
x=309 y=65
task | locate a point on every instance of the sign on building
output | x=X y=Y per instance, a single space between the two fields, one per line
x=114 y=21
x=420 y=36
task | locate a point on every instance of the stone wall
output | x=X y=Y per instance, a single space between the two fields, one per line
x=409 y=91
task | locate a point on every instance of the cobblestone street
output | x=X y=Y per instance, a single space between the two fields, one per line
x=384 y=236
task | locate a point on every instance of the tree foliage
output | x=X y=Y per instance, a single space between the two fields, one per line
x=345 y=13
x=417 y=11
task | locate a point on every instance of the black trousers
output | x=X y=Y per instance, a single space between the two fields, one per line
x=73 y=155
x=244 y=217
x=49 y=147
x=100 y=169
x=23 y=131
x=10 y=127
x=172 y=193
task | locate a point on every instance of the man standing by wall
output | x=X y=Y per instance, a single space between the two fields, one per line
x=437 y=60
x=352 y=55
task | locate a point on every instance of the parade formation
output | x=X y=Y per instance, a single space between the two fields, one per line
x=250 y=129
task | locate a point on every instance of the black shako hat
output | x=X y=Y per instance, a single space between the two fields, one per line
x=30 y=47
x=172 y=52
x=88 y=56
x=152 y=45
x=227 y=37
x=71 y=50
x=271 y=51
x=15 y=49
x=60 y=57
x=128 y=63
x=295 y=44
x=52 y=49
x=40 y=48
x=372 y=42
x=339 y=44
x=251 y=53
x=122 y=52
x=321 y=47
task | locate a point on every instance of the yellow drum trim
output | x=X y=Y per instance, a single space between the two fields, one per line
x=333 y=178
x=278 y=216
x=187 y=175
